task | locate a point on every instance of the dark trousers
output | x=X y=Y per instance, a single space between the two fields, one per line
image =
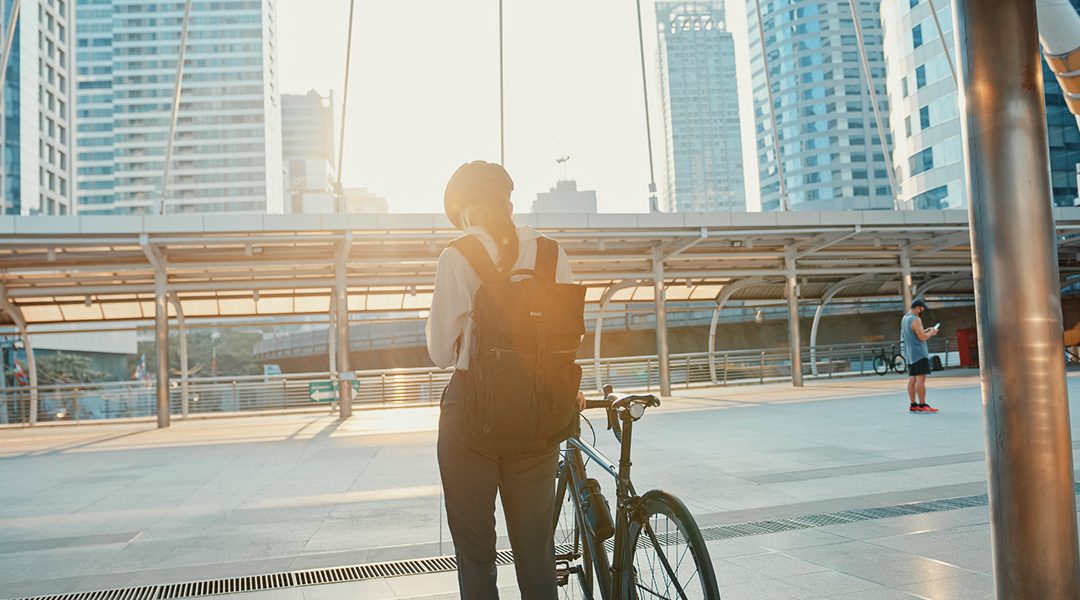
x=526 y=484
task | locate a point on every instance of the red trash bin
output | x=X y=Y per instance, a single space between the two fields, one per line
x=967 y=340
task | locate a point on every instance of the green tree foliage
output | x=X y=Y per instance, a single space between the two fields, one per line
x=235 y=353
x=61 y=367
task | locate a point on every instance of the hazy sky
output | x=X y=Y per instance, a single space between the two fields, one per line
x=424 y=93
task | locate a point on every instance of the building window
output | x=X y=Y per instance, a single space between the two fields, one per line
x=924 y=117
x=920 y=77
x=931 y=200
x=903 y=86
x=921 y=162
x=913 y=3
x=916 y=36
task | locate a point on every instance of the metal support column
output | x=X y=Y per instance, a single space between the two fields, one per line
x=181 y=332
x=793 y=322
x=161 y=340
x=161 y=326
x=599 y=330
x=347 y=376
x=661 y=322
x=1014 y=260
x=905 y=278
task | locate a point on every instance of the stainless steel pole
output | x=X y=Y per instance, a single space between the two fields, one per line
x=905 y=279
x=161 y=338
x=1017 y=301
x=181 y=332
x=661 y=322
x=347 y=376
x=793 y=324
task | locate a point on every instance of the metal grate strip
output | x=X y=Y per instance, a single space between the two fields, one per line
x=441 y=564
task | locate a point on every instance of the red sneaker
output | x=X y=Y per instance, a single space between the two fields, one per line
x=926 y=408
x=914 y=408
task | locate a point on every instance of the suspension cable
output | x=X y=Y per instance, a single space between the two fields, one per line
x=645 y=97
x=874 y=103
x=772 y=111
x=160 y=209
x=339 y=191
x=502 y=112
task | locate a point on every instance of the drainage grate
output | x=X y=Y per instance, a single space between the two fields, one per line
x=441 y=564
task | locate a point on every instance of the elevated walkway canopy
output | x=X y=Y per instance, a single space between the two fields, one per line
x=89 y=269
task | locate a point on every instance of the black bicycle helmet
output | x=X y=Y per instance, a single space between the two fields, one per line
x=477 y=183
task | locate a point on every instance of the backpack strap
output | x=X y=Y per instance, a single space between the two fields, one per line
x=547 y=259
x=478 y=258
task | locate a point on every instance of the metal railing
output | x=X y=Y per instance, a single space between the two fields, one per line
x=423 y=386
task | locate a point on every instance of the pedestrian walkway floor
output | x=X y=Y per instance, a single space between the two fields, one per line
x=101 y=506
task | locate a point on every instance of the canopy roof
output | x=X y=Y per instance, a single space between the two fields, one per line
x=79 y=269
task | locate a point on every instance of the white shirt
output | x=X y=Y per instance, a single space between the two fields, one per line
x=455 y=286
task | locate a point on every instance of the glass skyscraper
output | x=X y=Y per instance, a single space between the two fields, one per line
x=227 y=145
x=37 y=161
x=925 y=121
x=700 y=103
x=830 y=151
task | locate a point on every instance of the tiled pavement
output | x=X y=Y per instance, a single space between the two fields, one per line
x=104 y=506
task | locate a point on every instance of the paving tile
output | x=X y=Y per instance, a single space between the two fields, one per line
x=368 y=590
x=970 y=587
x=826 y=583
x=776 y=564
x=768 y=589
x=895 y=573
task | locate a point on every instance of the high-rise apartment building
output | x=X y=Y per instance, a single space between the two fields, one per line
x=226 y=153
x=36 y=154
x=925 y=120
x=830 y=153
x=307 y=137
x=700 y=103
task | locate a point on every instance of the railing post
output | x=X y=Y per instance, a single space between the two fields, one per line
x=430 y=387
x=608 y=372
x=862 y=358
x=235 y=397
x=648 y=375
x=284 y=393
x=687 y=370
x=725 y=367
x=761 y=376
x=382 y=377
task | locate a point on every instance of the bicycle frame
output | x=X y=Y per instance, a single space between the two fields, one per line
x=626 y=503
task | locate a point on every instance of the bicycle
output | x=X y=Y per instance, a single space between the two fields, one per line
x=883 y=363
x=657 y=550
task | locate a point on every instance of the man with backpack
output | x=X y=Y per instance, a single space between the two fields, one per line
x=506 y=315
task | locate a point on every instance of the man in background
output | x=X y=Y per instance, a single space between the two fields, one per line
x=917 y=355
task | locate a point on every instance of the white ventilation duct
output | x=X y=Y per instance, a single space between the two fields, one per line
x=1059 y=32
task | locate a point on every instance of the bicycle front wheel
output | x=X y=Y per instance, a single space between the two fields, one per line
x=880 y=366
x=899 y=364
x=669 y=558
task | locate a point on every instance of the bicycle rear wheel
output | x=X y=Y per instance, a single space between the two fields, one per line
x=899 y=364
x=572 y=551
x=669 y=558
x=881 y=367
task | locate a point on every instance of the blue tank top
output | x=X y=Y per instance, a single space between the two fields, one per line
x=914 y=348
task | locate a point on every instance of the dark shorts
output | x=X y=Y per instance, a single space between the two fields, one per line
x=919 y=367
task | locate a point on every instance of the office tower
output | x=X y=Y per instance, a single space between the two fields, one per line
x=226 y=152
x=37 y=160
x=925 y=120
x=829 y=148
x=700 y=104
x=565 y=198
x=307 y=137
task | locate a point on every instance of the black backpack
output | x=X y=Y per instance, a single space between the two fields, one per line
x=522 y=382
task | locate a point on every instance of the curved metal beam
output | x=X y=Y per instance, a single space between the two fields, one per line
x=16 y=315
x=599 y=329
x=939 y=280
x=721 y=299
x=829 y=294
